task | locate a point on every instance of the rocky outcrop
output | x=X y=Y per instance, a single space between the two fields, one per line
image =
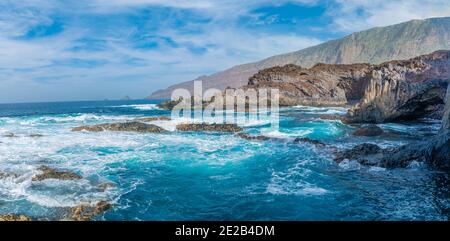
x=309 y=141
x=253 y=138
x=366 y=154
x=127 y=126
x=404 y=90
x=446 y=116
x=50 y=173
x=434 y=151
x=231 y=128
x=14 y=218
x=368 y=130
x=321 y=85
x=88 y=212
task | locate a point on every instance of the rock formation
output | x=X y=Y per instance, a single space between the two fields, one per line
x=50 y=173
x=368 y=130
x=434 y=151
x=127 y=126
x=387 y=92
x=375 y=46
x=14 y=217
x=402 y=90
x=327 y=85
x=88 y=212
x=232 y=128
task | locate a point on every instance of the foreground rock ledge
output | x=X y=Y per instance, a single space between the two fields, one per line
x=14 y=217
x=87 y=212
x=127 y=126
x=231 y=128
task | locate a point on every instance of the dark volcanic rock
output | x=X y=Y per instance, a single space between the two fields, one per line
x=368 y=130
x=9 y=135
x=310 y=141
x=253 y=138
x=321 y=85
x=127 y=126
x=168 y=105
x=446 y=116
x=367 y=154
x=233 y=128
x=50 y=173
x=434 y=151
x=404 y=90
x=14 y=217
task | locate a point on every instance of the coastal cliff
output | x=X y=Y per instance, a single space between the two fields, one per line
x=395 y=90
x=404 y=90
x=377 y=45
x=329 y=85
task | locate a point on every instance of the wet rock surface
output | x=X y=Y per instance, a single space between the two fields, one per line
x=127 y=127
x=230 y=128
x=107 y=185
x=404 y=90
x=310 y=141
x=368 y=130
x=88 y=212
x=14 y=217
x=10 y=135
x=50 y=173
x=253 y=138
x=366 y=154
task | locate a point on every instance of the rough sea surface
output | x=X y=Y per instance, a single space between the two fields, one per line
x=198 y=176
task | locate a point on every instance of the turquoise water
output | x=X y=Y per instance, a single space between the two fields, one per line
x=196 y=176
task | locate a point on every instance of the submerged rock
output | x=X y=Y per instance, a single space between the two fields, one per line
x=155 y=118
x=368 y=130
x=127 y=126
x=233 y=128
x=106 y=185
x=168 y=105
x=366 y=154
x=310 y=141
x=253 y=138
x=87 y=212
x=9 y=134
x=14 y=217
x=50 y=173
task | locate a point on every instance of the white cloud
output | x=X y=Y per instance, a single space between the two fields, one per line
x=354 y=15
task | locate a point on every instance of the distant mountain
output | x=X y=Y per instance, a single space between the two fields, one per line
x=374 y=46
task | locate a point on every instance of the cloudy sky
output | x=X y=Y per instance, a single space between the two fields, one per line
x=55 y=50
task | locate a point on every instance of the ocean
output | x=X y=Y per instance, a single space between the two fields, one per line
x=201 y=176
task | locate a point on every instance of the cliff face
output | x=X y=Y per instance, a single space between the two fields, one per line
x=446 y=118
x=320 y=85
x=377 y=45
x=404 y=89
x=389 y=91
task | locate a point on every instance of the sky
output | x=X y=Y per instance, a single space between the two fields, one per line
x=68 y=50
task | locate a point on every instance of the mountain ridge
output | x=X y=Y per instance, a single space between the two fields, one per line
x=376 y=45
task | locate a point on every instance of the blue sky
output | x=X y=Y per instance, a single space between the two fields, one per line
x=55 y=50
